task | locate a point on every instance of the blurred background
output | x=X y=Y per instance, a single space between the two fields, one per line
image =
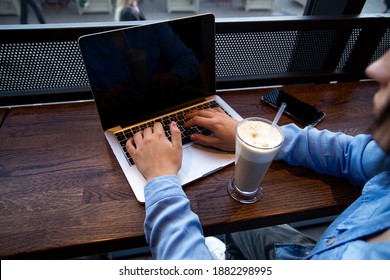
x=74 y=11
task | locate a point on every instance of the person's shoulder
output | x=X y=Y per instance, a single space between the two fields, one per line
x=127 y=14
x=127 y=10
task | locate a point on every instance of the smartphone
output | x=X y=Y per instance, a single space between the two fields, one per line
x=298 y=110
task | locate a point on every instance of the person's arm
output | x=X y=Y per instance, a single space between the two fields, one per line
x=357 y=158
x=172 y=229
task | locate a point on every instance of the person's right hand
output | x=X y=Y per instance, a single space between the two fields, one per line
x=217 y=121
x=154 y=154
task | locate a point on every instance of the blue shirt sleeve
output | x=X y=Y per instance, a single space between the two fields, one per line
x=172 y=229
x=357 y=158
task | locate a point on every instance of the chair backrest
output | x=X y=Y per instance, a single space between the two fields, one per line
x=42 y=63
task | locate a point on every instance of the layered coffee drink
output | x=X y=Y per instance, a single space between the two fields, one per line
x=257 y=143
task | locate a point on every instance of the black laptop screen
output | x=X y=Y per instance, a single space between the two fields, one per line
x=138 y=72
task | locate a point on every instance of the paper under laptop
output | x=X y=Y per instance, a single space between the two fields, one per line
x=142 y=74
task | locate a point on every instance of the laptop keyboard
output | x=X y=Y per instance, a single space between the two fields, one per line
x=178 y=117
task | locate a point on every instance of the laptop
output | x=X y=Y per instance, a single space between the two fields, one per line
x=156 y=72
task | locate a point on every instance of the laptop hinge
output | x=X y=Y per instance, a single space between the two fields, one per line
x=113 y=129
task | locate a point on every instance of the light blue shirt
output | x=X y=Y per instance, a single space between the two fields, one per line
x=175 y=232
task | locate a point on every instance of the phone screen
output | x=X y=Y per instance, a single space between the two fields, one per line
x=296 y=109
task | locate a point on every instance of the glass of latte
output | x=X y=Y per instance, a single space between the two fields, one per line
x=257 y=143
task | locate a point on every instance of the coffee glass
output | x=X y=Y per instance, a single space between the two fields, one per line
x=257 y=143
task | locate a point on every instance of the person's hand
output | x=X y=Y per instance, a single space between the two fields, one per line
x=217 y=121
x=154 y=154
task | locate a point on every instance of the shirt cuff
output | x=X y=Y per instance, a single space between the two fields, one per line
x=162 y=187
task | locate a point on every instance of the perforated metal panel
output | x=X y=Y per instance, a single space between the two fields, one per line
x=36 y=62
x=348 y=48
x=383 y=46
x=242 y=54
x=26 y=68
x=265 y=53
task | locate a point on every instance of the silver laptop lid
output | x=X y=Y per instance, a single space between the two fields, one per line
x=140 y=72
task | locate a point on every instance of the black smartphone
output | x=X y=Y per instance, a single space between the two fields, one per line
x=298 y=110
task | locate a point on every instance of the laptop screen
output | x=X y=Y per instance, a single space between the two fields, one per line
x=139 y=72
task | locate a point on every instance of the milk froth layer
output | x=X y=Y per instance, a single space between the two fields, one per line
x=259 y=134
x=257 y=141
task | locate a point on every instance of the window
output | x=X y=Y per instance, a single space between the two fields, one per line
x=74 y=11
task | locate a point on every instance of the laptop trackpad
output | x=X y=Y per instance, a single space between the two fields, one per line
x=199 y=161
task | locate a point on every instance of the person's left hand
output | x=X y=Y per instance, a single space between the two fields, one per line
x=154 y=154
x=218 y=122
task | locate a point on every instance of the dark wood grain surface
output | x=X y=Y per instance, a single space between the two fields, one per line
x=63 y=194
x=3 y=113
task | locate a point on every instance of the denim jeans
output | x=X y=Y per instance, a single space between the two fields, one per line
x=259 y=244
x=24 y=11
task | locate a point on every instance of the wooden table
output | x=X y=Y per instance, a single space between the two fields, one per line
x=63 y=194
x=3 y=114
